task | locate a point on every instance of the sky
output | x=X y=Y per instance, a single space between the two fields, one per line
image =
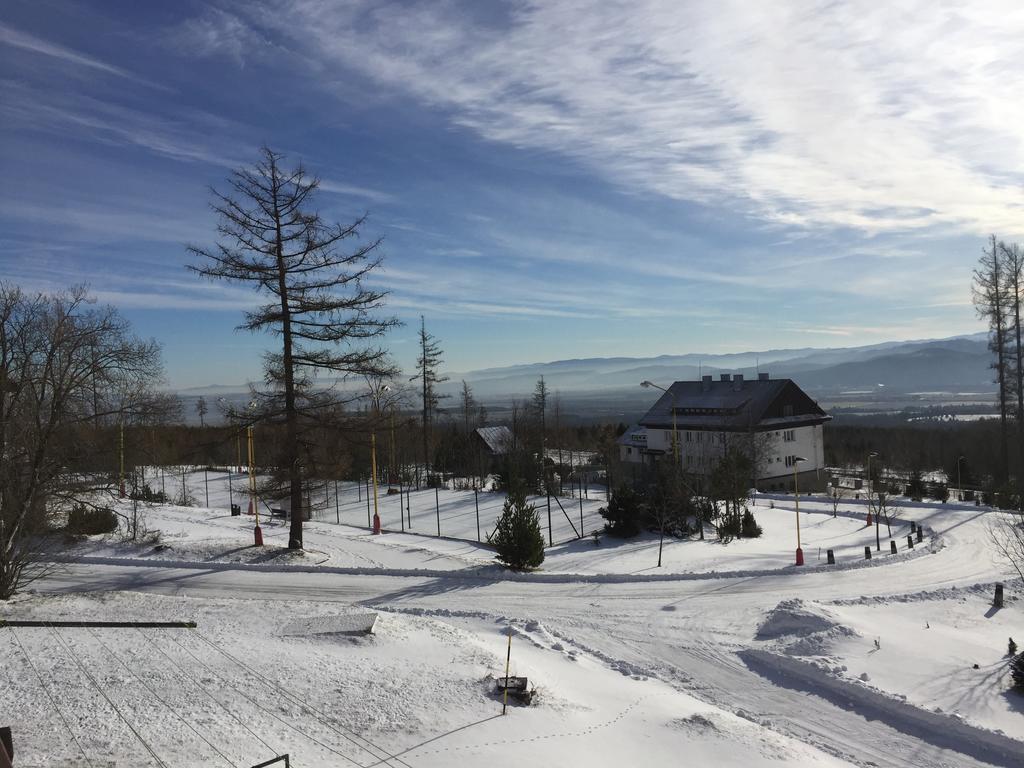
x=552 y=180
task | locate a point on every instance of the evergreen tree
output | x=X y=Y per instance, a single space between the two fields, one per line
x=318 y=304
x=1017 y=671
x=518 y=538
x=427 y=364
x=990 y=299
x=622 y=513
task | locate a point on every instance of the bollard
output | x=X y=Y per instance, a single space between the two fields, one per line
x=920 y=533
x=867 y=553
x=997 y=601
x=868 y=521
x=892 y=547
x=913 y=526
x=831 y=557
x=910 y=542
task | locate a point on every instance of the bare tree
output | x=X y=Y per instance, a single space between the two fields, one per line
x=427 y=365
x=318 y=303
x=1007 y=535
x=1013 y=270
x=64 y=365
x=202 y=410
x=837 y=494
x=990 y=299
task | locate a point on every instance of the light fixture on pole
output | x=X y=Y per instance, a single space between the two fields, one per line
x=675 y=431
x=796 y=492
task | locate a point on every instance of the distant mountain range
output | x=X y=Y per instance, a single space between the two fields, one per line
x=955 y=364
x=960 y=364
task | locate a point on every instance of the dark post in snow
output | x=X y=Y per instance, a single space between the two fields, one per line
x=581 y=509
x=369 y=522
x=551 y=540
x=910 y=542
x=920 y=533
x=206 y=482
x=831 y=557
x=867 y=553
x=437 y=510
x=408 y=505
x=997 y=601
x=892 y=546
x=401 y=498
x=476 y=503
x=337 y=504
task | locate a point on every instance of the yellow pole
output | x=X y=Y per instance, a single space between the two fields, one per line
x=508 y=662
x=373 y=468
x=796 y=490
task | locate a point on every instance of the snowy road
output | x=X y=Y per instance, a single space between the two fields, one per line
x=692 y=634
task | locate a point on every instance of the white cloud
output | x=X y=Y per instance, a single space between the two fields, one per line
x=23 y=40
x=871 y=116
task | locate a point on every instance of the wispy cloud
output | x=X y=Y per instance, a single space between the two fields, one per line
x=25 y=41
x=867 y=116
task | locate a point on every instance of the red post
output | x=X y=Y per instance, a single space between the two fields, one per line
x=121 y=488
x=258 y=536
x=799 y=556
x=376 y=524
x=868 y=524
x=252 y=508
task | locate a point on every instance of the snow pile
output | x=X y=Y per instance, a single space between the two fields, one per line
x=803 y=629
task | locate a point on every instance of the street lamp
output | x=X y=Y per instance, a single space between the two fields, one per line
x=796 y=492
x=376 y=393
x=959 y=487
x=867 y=480
x=675 y=431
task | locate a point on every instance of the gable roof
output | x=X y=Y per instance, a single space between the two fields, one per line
x=497 y=439
x=734 y=405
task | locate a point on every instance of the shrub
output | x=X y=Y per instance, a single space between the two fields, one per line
x=145 y=493
x=749 y=529
x=91 y=520
x=435 y=481
x=940 y=492
x=518 y=537
x=622 y=513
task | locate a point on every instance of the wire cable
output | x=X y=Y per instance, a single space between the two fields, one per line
x=339 y=729
x=49 y=695
x=157 y=696
x=202 y=688
x=103 y=693
x=264 y=709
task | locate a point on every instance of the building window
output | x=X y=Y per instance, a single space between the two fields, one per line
x=629 y=451
x=700 y=436
x=689 y=436
x=787 y=410
x=789 y=435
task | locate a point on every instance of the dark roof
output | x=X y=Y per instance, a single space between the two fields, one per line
x=497 y=439
x=734 y=405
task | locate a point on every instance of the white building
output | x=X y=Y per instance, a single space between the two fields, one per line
x=773 y=419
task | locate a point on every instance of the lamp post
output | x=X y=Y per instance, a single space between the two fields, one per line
x=120 y=484
x=376 y=393
x=254 y=506
x=959 y=487
x=675 y=431
x=796 y=492
x=878 y=512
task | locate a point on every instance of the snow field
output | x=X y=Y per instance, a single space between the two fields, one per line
x=259 y=677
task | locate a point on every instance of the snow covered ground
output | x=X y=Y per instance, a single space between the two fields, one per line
x=728 y=654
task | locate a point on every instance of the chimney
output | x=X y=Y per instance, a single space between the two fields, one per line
x=724 y=377
x=762 y=377
x=705 y=383
x=737 y=382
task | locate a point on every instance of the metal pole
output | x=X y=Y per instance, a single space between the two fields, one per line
x=476 y=503
x=401 y=495
x=337 y=505
x=551 y=541
x=369 y=522
x=231 y=495
x=581 y=507
x=120 y=485
x=408 y=504
x=508 y=663
x=796 y=491
x=206 y=482
x=373 y=465
x=437 y=509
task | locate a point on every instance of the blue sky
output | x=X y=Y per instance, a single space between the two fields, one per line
x=552 y=179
